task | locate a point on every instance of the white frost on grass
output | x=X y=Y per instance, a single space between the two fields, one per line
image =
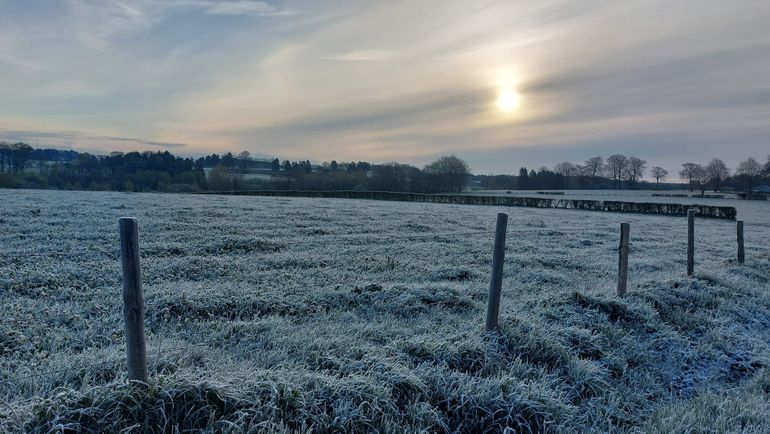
x=281 y=315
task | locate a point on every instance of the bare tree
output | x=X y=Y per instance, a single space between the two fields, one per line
x=616 y=166
x=594 y=166
x=635 y=169
x=591 y=169
x=565 y=169
x=749 y=169
x=689 y=172
x=716 y=172
x=702 y=177
x=658 y=173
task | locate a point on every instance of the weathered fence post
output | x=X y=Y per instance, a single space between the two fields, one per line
x=496 y=282
x=690 y=242
x=133 y=299
x=741 y=251
x=625 y=229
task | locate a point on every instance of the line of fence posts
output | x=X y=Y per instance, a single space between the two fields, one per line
x=741 y=254
x=498 y=259
x=133 y=298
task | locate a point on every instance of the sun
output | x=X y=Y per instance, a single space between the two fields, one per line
x=508 y=100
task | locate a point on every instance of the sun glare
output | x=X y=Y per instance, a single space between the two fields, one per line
x=508 y=100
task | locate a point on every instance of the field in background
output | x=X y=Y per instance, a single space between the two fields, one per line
x=752 y=211
x=278 y=314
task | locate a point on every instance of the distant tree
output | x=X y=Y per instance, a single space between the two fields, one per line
x=20 y=153
x=394 y=177
x=5 y=150
x=716 y=172
x=220 y=179
x=616 y=167
x=658 y=173
x=333 y=165
x=593 y=167
x=565 y=169
x=275 y=165
x=689 y=172
x=244 y=160
x=448 y=173
x=524 y=182
x=287 y=166
x=635 y=169
x=767 y=166
x=703 y=178
x=547 y=179
x=228 y=160
x=750 y=170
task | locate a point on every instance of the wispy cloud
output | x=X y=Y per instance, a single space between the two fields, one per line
x=82 y=140
x=243 y=7
x=364 y=55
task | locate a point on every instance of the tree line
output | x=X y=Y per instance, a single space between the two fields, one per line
x=621 y=172
x=446 y=174
x=23 y=166
x=715 y=174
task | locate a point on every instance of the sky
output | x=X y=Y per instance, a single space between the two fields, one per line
x=501 y=84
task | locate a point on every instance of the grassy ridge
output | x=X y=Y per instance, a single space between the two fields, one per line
x=296 y=315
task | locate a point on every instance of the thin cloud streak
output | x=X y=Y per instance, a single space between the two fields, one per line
x=80 y=140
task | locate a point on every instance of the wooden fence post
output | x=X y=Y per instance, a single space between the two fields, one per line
x=741 y=251
x=133 y=300
x=625 y=229
x=690 y=242
x=496 y=282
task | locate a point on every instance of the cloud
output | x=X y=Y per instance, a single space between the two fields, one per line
x=364 y=55
x=83 y=141
x=243 y=7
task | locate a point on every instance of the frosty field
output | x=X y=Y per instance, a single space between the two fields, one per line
x=327 y=315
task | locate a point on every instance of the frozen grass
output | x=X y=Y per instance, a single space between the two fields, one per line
x=327 y=315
